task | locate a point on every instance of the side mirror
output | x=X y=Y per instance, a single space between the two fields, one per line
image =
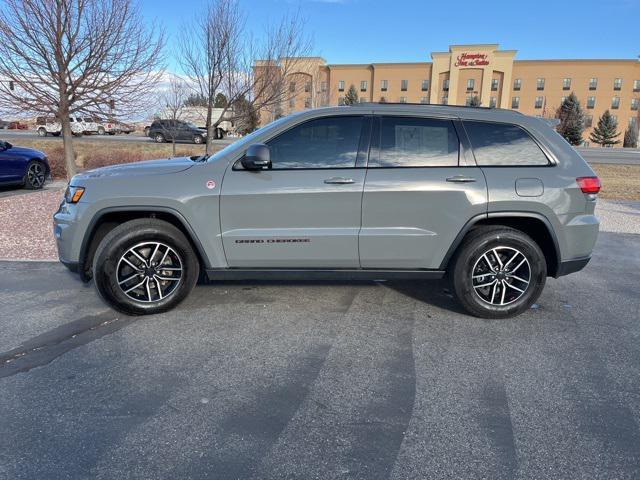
x=257 y=157
x=5 y=145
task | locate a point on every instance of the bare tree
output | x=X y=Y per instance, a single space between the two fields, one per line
x=174 y=99
x=59 y=57
x=219 y=55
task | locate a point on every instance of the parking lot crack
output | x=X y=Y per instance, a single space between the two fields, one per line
x=43 y=349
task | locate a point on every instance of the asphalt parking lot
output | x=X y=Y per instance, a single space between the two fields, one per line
x=322 y=380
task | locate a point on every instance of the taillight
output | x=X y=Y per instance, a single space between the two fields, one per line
x=589 y=184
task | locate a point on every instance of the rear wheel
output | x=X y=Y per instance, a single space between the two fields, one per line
x=145 y=266
x=159 y=138
x=101 y=131
x=42 y=132
x=198 y=139
x=498 y=272
x=36 y=175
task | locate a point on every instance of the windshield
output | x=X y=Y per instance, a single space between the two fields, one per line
x=247 y=140
x=190 y=125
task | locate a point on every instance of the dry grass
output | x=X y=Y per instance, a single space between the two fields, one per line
x=619 y=182
x=96 y=153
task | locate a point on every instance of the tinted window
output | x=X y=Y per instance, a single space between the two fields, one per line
x=503 y=144
x=416 y=142
x=323 y=143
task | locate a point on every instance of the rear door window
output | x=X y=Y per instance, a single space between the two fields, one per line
x=416 y=142
x=503 y=144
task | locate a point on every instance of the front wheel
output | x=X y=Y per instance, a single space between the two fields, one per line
x=498 y=272
x=42 y=132
x=159 y=138
x=198 y=139
x=36 y=175
x=101 y=131
x=145 y=266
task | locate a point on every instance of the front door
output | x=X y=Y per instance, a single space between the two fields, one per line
x=418 y=195
x=304 y=212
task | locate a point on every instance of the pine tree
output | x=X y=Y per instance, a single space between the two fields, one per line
x=631 y=137
x=571 y=118
x=220 y=101
x=352 y=96
x=605 y=132
x=475 y=101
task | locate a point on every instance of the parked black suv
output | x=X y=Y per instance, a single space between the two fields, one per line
x=176 y=130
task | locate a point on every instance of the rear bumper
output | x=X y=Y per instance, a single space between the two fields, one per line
x=571 y=266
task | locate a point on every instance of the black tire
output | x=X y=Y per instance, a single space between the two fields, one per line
x=127 y=235
x=198 y=139
x=159 y=138
x=56 y=134
x=469 y=256
x=101 y=131
x=35 y=176
x=42 y=132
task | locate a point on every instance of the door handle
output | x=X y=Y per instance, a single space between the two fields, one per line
x=339 y=180
x=460 y=179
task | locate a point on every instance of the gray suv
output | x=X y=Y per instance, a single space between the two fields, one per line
x=494 y=200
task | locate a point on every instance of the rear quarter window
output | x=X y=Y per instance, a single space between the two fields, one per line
x=502 y=144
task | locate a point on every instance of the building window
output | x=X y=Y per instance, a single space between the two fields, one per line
x=593 y=83
x=615 y=103
x=307 y=102
x=341 y=86
x=425 y=85
x=363 y=86
x=307 y=87
x=384 y=84
x=636 y=85
x=292 y=102
x=588 y=121
x=615 y=119
x=566 y=84
x=445 y=100
x=494 y=84
x=403 y=99
x=539 y=101
x=633 y=121
x=540 y=84
x=515 y=102
x=493 y=101
x=634 y=103
x=591 y=102
x=323 y=87
x=424 y=99
x=404 y=85
x=445 y=85
x=617 y=84
x=292 y=87
x=562 y=99
x=517 y=84
x=471 y=83
x=340 y=100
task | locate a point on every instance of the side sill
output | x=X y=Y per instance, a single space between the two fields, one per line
x=571 y=266
x=318 y=274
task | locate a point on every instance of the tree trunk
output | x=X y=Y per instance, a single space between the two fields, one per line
x=210 y=130
x=67 y=142
x=173 y=147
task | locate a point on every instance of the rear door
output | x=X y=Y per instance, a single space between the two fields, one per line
x=305 y=210
x=421 y=189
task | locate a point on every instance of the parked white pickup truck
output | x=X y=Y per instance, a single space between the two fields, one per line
x=51 y=126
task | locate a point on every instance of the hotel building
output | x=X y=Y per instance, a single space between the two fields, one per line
x=472 y=73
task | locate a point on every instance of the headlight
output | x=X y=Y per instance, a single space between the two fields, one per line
x=73 y=194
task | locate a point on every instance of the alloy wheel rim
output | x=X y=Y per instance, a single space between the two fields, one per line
x=501 y=276
x=35 y=175
x=149 y=272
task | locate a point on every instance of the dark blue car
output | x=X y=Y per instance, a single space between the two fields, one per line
x=23 y=166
